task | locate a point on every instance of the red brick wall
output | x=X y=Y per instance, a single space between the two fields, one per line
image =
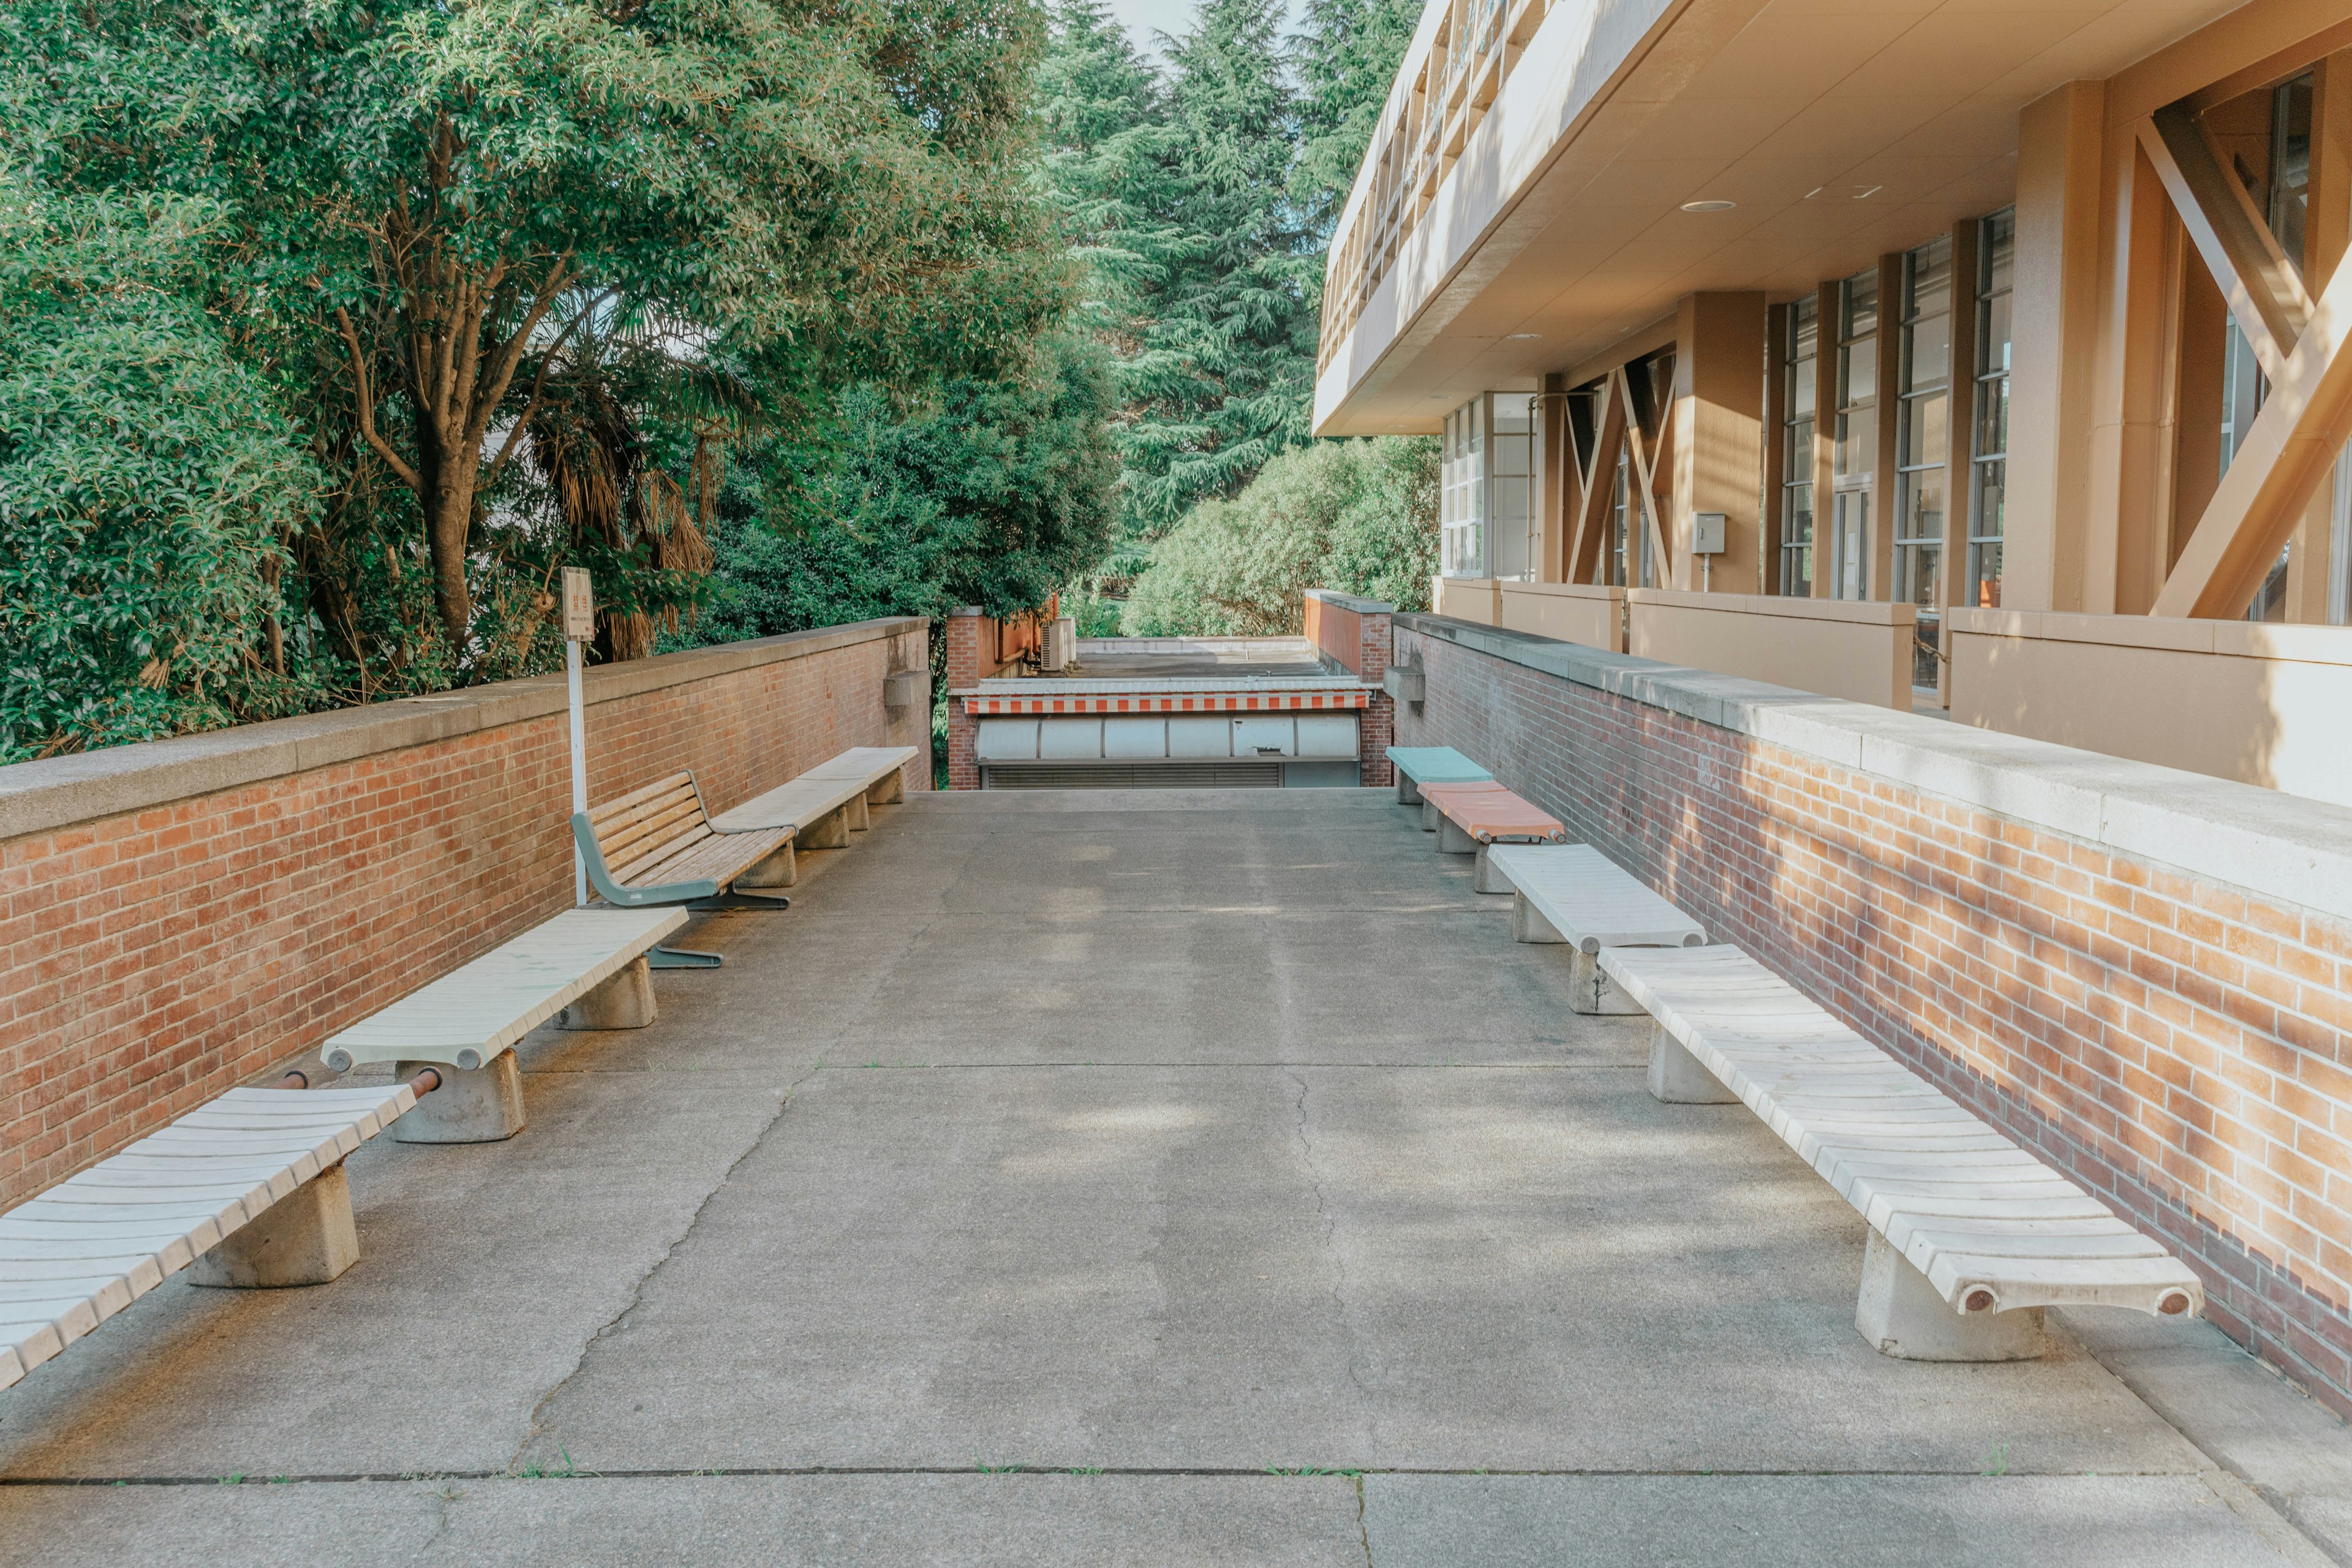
x=2174 y=1044
x=152 y=959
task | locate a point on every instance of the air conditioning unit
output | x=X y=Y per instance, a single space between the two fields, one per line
x=1060 y=645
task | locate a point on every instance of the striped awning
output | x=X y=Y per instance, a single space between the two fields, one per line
x=981 y=707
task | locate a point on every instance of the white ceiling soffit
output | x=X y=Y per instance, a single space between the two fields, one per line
x=1842 y=128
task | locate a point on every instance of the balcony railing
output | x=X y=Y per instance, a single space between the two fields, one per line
x=1453 y=84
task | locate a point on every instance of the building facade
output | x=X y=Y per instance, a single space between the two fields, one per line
x=1982 y=361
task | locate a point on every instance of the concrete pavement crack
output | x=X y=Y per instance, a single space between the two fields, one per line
x=619 y=1320
x=1329 y=1226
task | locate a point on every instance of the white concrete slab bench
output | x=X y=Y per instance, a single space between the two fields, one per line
x=1574 y=894
x=822 y=807
x=587 y=968
x=658 y=845
x=247 y=1191
x=1970 y=1237
x=1418 y=765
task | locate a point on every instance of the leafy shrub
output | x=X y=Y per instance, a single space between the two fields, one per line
x=149 y=486
x=1359 y=516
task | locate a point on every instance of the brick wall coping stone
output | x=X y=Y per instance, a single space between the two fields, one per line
x=2282 y=846
x=1028 y=686
x=58 y=791
x=1350 y=602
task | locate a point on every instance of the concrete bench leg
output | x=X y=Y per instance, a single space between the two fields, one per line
x=1487 y=880
x=1452 y=840
x=777 y=871
x=854 y=809
x=1676 y=1078
x=624 y=1002
x=1528 y=923
x=483 y=1106
x=1408 y=792
x=1904 y=1316
x=1429 y=816
x=830 y=831
x=305 y=1239
x=889 y=791
x=1591 y=991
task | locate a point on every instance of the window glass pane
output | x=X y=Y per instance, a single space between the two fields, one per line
x=1851 y=453
x=1801 y=388
x=1858 y=369
x=1992 y=417
x=1931 y=351
x=1922 y=505
x=1859 y=304
x=2290 y=202
x=1923 y=429
x=1929 y=278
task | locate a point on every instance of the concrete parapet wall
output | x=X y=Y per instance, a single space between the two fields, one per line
x=2262 y=704
x=2143 y=974
x=1569 y=612
x=1859 y=650
x=177 y=915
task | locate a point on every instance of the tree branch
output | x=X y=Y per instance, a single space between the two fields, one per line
x=367 y=407
x=538 y=382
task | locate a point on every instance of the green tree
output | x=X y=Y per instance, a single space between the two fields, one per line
x=1221 y=376
x=1360 y=516
x=993 y=493
x=425 y=195
x=149 y=485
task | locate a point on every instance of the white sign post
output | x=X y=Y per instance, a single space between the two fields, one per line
x=579 y=627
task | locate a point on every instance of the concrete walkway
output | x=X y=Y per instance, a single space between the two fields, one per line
x=1127 y=1178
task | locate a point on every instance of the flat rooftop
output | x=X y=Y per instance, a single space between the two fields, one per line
x=1100 y=1177
x=1213 y=659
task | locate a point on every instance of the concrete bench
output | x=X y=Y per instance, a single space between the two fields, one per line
x=1574 y=894
x=822 y=807
x=247 y=1191
x=1418 y=765
x=1473 y=817
x=1970 y=1237
x=587 y=968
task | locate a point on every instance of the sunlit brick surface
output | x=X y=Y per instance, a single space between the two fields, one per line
x=2176 y=1045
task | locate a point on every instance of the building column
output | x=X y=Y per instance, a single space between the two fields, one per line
x=2055 y=317
x=1719 y=436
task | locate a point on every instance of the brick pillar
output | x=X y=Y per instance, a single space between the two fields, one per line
x=965 y=628
x=1376 y=729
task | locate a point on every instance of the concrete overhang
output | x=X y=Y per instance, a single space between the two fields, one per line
x=1842 y=128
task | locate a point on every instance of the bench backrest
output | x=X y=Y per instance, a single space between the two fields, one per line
x=649 y=824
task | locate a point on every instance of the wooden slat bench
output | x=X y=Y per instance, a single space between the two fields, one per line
x=1419 y=766
x=657 y=845
x=1473 y=817
x=822 y=807
x=1970 y=1237
x=1572 y=893
x=248 y=1191
x=587 y=968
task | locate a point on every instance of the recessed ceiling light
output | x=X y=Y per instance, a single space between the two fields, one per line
x=1522 y=337
x=1708 y=206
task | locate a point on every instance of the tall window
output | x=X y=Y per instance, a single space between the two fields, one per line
x=1855 y=452
x=1510 y=484
x=1921 y=443
x=1622 y=512
x=1989 y=449
x=1462 y=520
x=1798 y=384
x=2287 y=202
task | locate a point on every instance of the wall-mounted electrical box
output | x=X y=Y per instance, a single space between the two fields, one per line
x=1706 y=532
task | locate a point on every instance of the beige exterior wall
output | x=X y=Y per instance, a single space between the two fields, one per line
x=1572 y=612
x=1861 y=652
x=1467 y=599
x=2267 y=705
